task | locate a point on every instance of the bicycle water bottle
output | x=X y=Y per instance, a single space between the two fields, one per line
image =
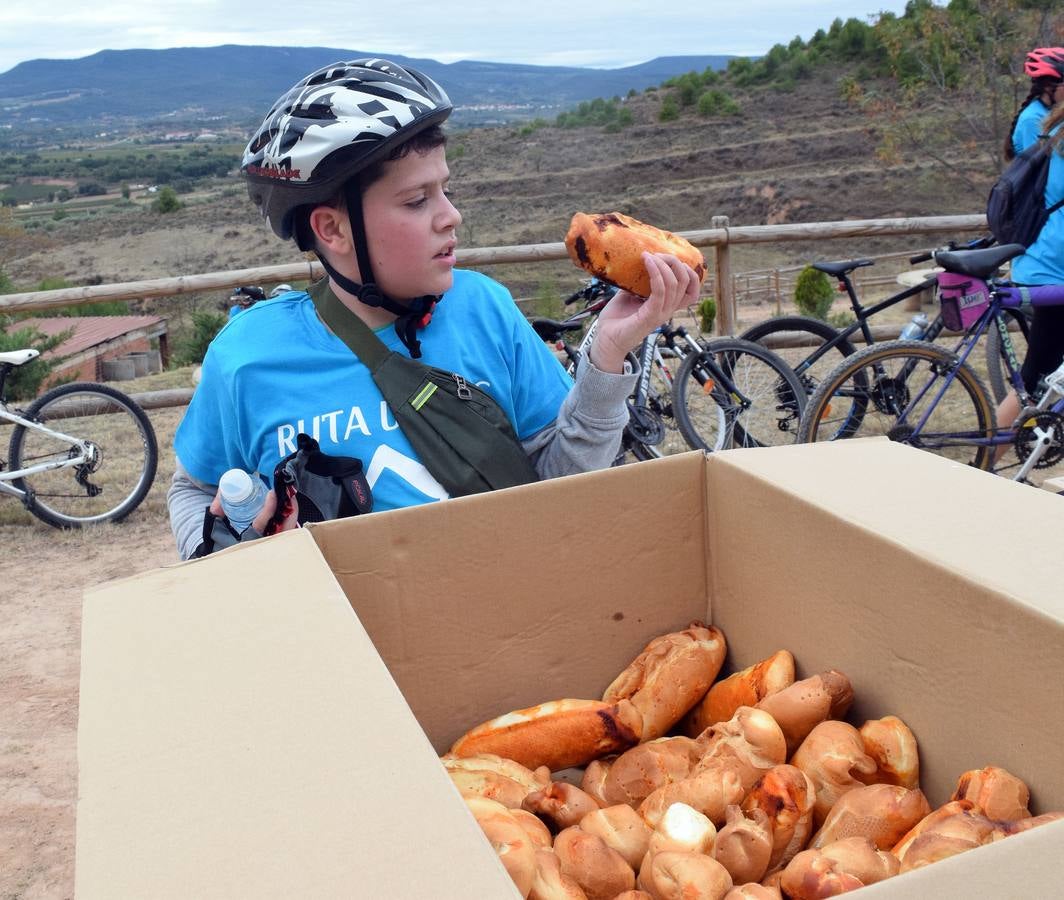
x=242 y=496
x=914 y=329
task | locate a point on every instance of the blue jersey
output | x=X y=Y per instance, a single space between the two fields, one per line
x=1043 y=263
x=275 y=371
x=1028 y=125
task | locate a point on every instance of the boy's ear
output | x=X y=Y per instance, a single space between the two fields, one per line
x=331 y=229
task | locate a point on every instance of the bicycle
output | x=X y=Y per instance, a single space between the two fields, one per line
x=929 y=397
x=790 y=336
x=707 y=400
x=98 y=468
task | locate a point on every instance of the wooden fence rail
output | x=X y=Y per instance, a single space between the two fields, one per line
x=722 y=282
x=721 y=236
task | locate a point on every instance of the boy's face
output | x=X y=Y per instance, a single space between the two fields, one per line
x=410 y=226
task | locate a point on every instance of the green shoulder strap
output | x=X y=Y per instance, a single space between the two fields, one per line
x=461 y=434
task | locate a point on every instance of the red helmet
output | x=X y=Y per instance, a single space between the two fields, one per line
x=1045 y=62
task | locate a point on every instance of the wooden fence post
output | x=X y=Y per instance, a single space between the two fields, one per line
x=725 y=287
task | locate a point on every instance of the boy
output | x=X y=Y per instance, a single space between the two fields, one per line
x=350 y=163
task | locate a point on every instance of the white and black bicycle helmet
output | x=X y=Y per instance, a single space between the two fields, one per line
x=320 y=135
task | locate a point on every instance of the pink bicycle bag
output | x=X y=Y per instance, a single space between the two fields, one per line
x=963 y=300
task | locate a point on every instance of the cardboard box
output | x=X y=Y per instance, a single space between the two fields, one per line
x=240 y=735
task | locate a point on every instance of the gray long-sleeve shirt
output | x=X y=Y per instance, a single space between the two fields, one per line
x=585 y=436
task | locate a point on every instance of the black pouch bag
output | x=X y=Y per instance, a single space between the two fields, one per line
x=460 y=433
x=322 y=487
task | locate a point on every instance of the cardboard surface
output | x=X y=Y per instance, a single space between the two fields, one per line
x=240 y=736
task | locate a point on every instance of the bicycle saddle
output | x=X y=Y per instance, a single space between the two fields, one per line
x=551 y=329
x=18 y=357
x=842 y=267
x=978 y=263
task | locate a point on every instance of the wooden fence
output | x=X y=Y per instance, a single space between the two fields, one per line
x=722 y=283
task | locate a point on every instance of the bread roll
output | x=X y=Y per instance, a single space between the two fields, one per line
x=559 y=734
x=600 y=871
x=683 y=828
x=883 y=813
x=806 y=703
x=744 y=844
x=670 y=675
x=753 y=891
x=833 y=757
x=680 y=875
x=995 y=792
x=786 y=795
x=509 y=840
x=746 y=688
x=631 y=777
x=495 y=778
x=622 y=829
x=893 y=746
x=839 y=867
x=560 y=804
x=550 y=883
x=610 y=247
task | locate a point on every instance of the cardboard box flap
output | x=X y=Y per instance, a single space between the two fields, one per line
x=512 y=573
x=852 y=574
x=234 y=709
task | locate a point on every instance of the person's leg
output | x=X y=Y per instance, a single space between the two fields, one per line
x=1045 y=352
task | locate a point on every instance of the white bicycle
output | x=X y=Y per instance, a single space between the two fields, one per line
x=98 y=468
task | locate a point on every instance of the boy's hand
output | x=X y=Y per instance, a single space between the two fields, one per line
x=627 y=319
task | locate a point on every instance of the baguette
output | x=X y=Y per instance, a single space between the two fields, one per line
x=559 y=734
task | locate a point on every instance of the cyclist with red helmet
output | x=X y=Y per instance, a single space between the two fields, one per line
x=350 y=164
x=1045 y=67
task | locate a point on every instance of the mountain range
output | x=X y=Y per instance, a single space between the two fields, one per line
x=234 y=85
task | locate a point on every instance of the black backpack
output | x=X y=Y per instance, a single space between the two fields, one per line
x=1016 y=209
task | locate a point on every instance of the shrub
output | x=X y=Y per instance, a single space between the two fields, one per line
x=707 y=314
x=813 y=293
x=24 y=382
x=191 y=349
x=166 y=201
x=670 y=110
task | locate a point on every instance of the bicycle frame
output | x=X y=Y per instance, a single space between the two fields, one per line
x=1001 y=297
x=85 y=453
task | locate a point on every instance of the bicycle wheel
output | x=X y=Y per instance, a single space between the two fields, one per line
x=913 y=392
x=996 y=369
x=799 y=341
x=122 y=449
x=737 y=393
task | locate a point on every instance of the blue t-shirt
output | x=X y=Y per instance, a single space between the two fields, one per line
x=1043 y=263
x=1028 y=125
x=275 y=371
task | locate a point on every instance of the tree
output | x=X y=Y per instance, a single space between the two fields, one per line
x=166 y=201
x=956 y=78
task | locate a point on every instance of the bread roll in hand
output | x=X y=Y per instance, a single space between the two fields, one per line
x=610 y=246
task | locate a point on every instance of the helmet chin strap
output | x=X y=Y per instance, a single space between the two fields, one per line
x=415 y=314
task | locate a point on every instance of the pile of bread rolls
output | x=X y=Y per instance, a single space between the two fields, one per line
x=677 y=785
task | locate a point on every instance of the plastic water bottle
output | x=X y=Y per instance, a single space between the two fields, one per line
x=914 y=329
x=242 y=497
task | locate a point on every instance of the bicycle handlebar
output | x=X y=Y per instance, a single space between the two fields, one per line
x=975 y=244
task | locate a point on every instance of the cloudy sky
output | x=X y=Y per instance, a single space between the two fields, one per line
x=588 y=33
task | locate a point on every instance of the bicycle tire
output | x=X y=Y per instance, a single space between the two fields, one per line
x=766 y=411
x=995 y=352
x=114 y=483
x=810 y=363
x=899 y=382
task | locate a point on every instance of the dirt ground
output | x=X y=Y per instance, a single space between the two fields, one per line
x=43 y=573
